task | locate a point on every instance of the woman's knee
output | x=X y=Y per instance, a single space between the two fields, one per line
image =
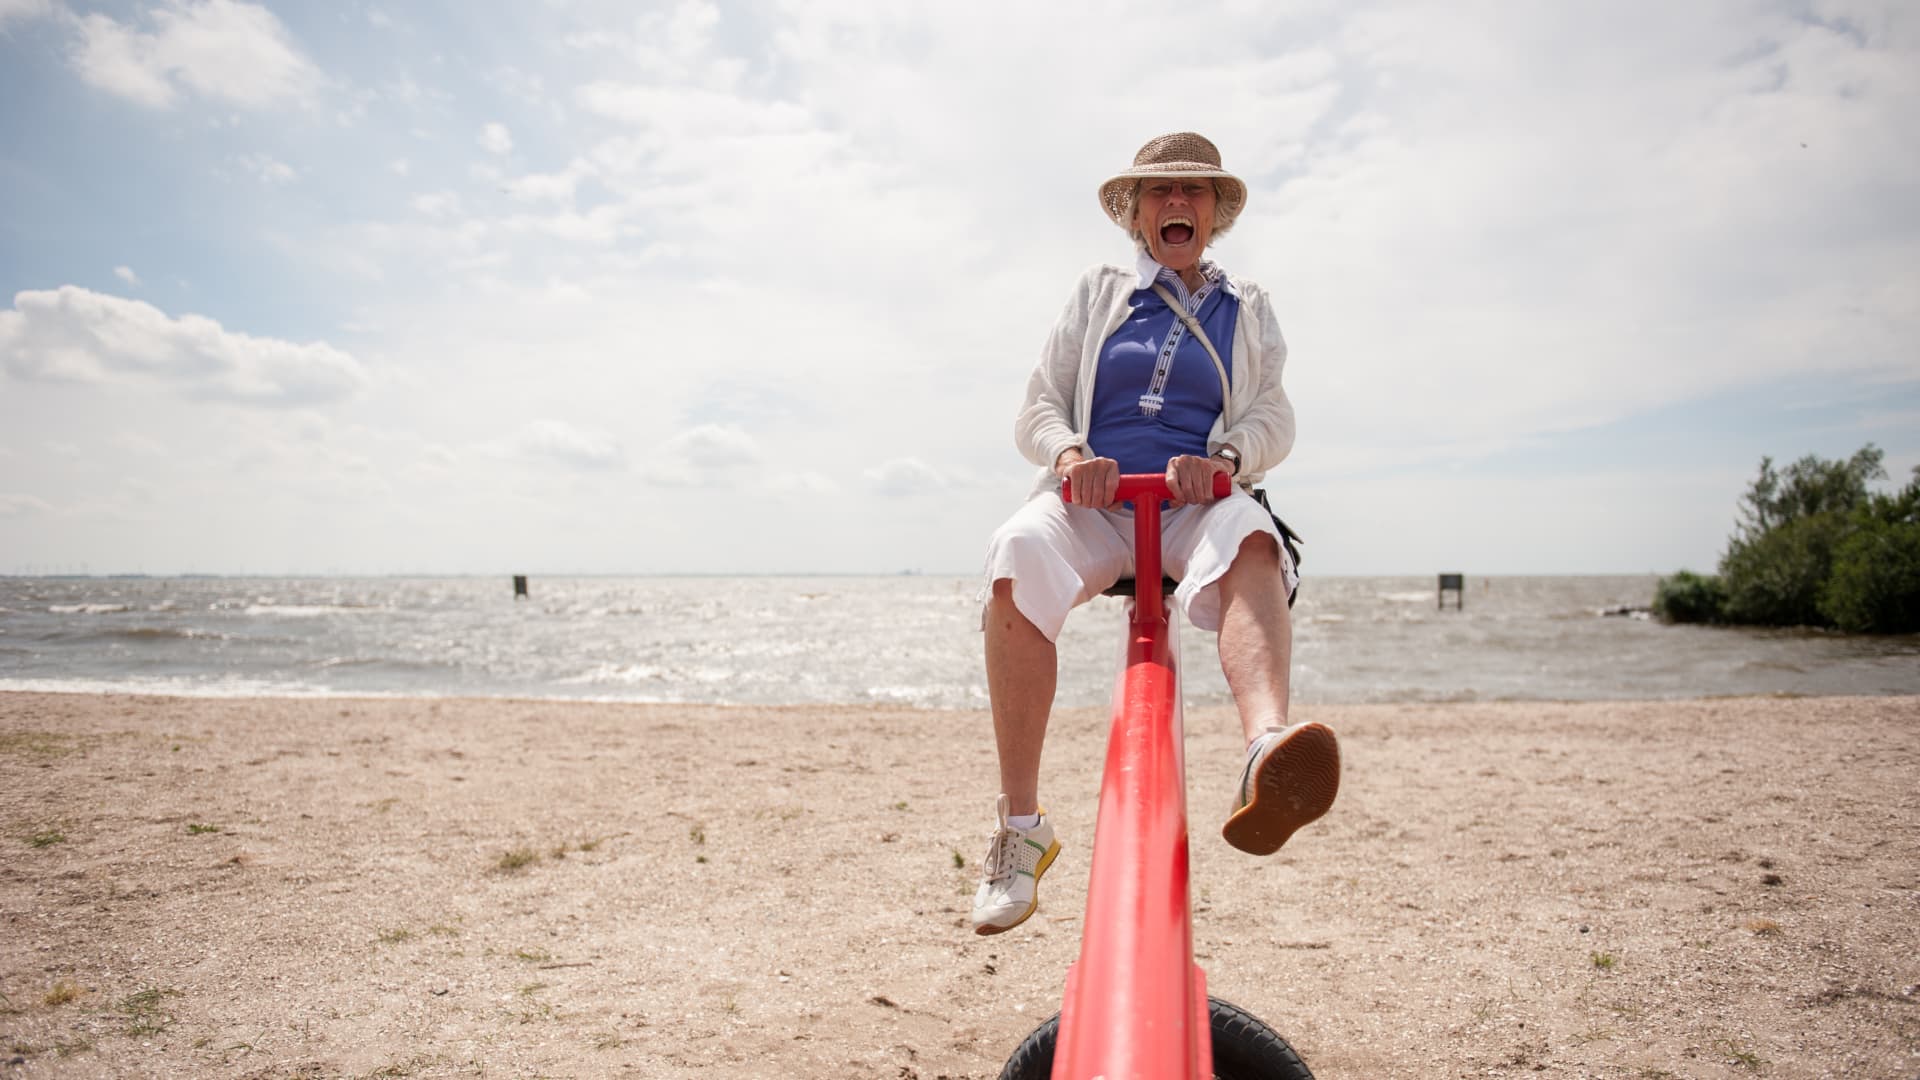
x=1259 y=553
x=1003 y=613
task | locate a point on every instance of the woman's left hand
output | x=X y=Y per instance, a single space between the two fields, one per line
x=1190 y=479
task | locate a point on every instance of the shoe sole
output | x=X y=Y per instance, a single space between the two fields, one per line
x=1039 y=871
x=1293 y=786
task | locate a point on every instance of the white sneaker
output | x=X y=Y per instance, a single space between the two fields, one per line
x=1011 y=873
x=1291 y=778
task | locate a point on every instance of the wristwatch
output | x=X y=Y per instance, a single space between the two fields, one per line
x=1232 y=456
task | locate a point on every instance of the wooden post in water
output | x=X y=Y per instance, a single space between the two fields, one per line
x=520 y=586
x=1458 y=583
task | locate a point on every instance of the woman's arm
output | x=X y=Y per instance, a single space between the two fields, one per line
x=1044 y=429
x=1264 y=433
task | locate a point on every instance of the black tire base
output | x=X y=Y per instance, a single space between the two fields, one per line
x=1244 y=1048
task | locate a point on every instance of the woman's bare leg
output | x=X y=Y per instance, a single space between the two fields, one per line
x=1022 y=669
x=1256 y=635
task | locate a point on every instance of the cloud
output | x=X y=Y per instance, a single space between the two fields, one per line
x=126 y=274
x=437 y=203
x=139 y=445
x=267 y=169
x=703 y=455
x=1477 y=232
x=714 y=446
x=555 y=442
x=1556 y=248
x=496 y=139
x=221 y=50
x=22 y=10
x=672 y=42
x=803 y=485
x=686 y=109
x=550 y=187
x=523 y=85
x=13 y=504
x=73 y=334
x=1560 y=248
x=600 y=226
x=906 y=476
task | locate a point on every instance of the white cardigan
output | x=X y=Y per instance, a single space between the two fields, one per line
x=1257 y=420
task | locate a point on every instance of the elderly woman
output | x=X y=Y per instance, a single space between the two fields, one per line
x=1169 y=365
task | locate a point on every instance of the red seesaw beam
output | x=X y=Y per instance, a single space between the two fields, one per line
x=1136 y=1003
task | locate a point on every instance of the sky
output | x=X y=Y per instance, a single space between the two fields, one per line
x=591 y=286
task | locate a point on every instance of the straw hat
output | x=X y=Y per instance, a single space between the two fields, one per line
x=1182 y=153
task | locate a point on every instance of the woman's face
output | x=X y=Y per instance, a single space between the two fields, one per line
x=1177 y=217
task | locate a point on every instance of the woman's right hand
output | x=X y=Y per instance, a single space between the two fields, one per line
x=1095 y=481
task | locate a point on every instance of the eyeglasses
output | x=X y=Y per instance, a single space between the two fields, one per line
x=1192 y=189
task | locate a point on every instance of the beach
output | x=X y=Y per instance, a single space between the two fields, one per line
x=279 y=887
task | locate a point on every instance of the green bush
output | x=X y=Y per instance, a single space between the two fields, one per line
x=1775 y=578
x=1807 y=488
x=1875 y=584
x=1814 y=547
x=1687 y=597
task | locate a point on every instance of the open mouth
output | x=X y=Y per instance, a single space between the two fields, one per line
x=1176 y=230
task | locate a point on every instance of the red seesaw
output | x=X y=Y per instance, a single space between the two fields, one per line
x=1136 y=1004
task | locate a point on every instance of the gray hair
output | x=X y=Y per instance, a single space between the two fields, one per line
x=1221 y=222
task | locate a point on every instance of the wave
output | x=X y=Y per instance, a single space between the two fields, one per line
x=162 y=632
x=263 y=688
x=137 y=634
x=348 y=661
x=930 y=696
x=304 y=611
x=179 y=686
x=87 y=609
x=627 y=674
x=392 y=664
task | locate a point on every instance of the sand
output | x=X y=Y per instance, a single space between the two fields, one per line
x=295 y=888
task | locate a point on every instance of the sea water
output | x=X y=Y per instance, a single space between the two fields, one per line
x=908 y=640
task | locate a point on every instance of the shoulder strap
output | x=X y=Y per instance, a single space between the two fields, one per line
x=1194 y=328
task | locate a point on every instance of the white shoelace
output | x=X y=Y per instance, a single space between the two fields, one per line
x=1000 y=849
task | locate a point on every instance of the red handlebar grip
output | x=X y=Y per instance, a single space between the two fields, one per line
x=1148 y=485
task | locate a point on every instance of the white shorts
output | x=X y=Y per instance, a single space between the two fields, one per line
x=1060 y=556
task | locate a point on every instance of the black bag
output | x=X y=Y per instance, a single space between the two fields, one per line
x=1288 y=538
